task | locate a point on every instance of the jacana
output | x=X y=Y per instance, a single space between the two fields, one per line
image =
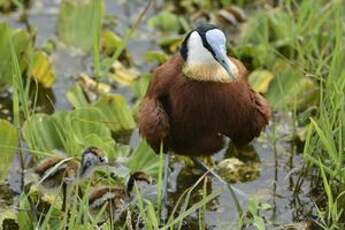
x=200 y=96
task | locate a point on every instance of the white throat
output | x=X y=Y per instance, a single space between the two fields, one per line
x=201 y=65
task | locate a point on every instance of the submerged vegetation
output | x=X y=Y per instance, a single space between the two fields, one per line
x=292 y=177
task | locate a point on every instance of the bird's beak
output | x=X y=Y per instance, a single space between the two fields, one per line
x=222 y=59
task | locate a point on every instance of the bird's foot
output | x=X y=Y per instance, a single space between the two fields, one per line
x=165 y=200
x=201 y=165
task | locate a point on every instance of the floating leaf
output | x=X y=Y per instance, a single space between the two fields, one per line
x=235 y=170
x=45 y=133
x=42 y=69
x=90 y=85
x=69 y=131
x=80 y=22
x=260 y=80
x=110 y=42
x=76 y=96
x=171 y=44
x=122 y=75
x=290 y=88
x=144 y=159
x=140 y=85
x=165 y=21
x=86 y=129
x=156 y=56
x=22 y=43
x=5 y=64
x=8 y=144
x=117 y=114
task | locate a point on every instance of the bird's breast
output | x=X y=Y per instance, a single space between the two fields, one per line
x=198 y=107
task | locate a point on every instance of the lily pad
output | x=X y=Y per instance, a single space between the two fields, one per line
x=22 y=43
x=51 y=127
x=234 y=170
x=260 y=80
x=156 y=56
x=69 y=131
x=122 y=75
x=290 y=88
x=110 y=42
x=42 y=69
x=144 y=159
x=165 y=21
x=76 y=96
x=140 y=85
x=80 y=22
x=8 y=145
x=116 y=113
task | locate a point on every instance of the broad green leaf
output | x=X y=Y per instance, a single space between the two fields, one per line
x=22 y=43
x=110 y=42
x=144 y=159
x=5 y=62
x=171 y=44
x=42 y=69
x=156 y=56
x=117 y=115
x=260 y=80
x=79 y=22
x=122 y=75
x=140 y=85
x=165 y=21
x=71 y=132
x=76 y=96
x=8 y=144
x=85 y=124
x=291 y=89
x=45 y=132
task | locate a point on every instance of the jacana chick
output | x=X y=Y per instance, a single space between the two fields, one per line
x=115 y=197
x=59 y=171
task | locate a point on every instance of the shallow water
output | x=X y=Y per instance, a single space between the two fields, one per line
x=280 y=162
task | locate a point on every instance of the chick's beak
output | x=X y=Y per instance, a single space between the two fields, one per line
x=223 y=60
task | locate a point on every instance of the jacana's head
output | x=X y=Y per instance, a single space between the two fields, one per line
x=91 y=158
x=204 y=52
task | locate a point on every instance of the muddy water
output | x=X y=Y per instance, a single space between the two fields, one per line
x=280 y=163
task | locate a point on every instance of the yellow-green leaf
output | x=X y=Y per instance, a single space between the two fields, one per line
x=110 y=42
x=260 y=80
x=80 y=22
x=8 y=144
x=122 y=75
x=42 y=69
x=117 y=113
x=152 y=56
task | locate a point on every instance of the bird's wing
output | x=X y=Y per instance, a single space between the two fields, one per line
x=256 y=118
x=153 y=119
x=46 y=164
x=153 y=122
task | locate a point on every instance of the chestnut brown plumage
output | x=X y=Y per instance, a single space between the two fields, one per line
x=190 y=116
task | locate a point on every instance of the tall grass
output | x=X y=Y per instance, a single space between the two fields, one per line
x=325 y=143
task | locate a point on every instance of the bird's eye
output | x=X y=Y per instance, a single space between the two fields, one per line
x=101 y=159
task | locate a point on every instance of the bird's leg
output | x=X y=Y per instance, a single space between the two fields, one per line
x=110 y=213
x=201 y=165
x=64 y=197
x=164 y=203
